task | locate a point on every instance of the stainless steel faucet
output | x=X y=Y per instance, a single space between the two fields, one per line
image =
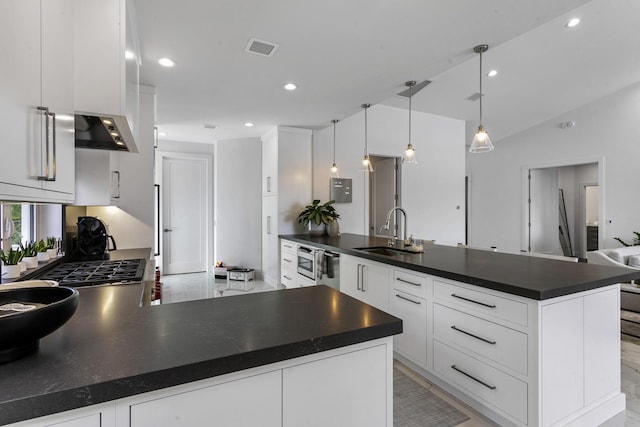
x=404 y=227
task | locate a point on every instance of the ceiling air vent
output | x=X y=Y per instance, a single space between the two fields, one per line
x=261 y=47
x=474 y=97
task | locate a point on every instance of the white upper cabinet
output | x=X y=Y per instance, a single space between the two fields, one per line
x=105 y=81
x=36 y=101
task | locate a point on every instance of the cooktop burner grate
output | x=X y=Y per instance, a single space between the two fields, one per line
x=89 y=273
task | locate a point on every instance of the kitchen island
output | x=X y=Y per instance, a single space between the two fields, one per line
x=527 y=341
x=126 y=365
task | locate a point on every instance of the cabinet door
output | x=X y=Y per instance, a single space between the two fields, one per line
x=375 y=284
x=351 y=387
x=270 y=243
x=412 y=342
x=270 y=164
x=20 y=92
x=220 y=405
x=57 y=91
x=350 y=276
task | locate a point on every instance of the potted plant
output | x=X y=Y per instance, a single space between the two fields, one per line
x=51 y=244
x=30 y=255
x=41 y=248
x=11 y=263
x=316 y=216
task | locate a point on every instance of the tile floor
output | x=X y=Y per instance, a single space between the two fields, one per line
x=186 y=287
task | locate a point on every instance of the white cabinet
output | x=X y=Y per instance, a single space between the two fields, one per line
x=365 y=280
x=409 y=303
x=105 y=81
x=252 y=401
x=97 y=178
x=36 y=101
x=286 y=185
x=351 y=387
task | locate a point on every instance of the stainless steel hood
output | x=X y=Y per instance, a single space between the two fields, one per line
x=103 y=132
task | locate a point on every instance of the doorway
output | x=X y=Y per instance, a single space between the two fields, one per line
x=556 y=217
x=384 y=194
x=185 y=209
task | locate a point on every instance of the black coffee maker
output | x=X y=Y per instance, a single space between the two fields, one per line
x=92 y=240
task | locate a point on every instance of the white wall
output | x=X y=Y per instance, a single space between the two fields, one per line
x=238 y=202
x=432 y=191
x=606 y=131
x=132 y=223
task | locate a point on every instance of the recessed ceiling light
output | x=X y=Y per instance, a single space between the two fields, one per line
x=492 y=73
x=166 y=62
x=572 y=22
x=290 y=86
x=129 y=54
x=248 y=124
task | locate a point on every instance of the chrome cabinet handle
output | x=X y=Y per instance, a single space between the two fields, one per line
x=490 y=387
x=268 y=224
x=406 y=281
x=408 y=299
x=474 y=301
x=268 y=184
x=358 y=278
x=473 y=335
x=363 y=267
x=46 y=113
x=55 y=144
x=167 y=230
x=287 y=277
x=288 y=246
x=286 y=260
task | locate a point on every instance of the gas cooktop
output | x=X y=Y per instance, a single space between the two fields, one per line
x=90 y=273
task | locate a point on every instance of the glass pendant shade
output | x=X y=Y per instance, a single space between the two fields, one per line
x=366 y=164
x=481 y=142
x=409 y=156
x=334 y=171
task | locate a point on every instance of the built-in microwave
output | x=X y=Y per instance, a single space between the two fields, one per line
x=307 y=262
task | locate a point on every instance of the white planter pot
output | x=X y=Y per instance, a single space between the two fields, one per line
x=52 y=253
x=43 y=256
x=316 y=230
x=23 y=265
x=10 y=271
x=31 y=261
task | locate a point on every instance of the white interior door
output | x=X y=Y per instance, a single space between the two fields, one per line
x=543 y=211
x=184 y=214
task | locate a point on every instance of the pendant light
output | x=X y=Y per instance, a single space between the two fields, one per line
x=409 y=156
x=366 y=162
x=481 y=142
x=334 y=168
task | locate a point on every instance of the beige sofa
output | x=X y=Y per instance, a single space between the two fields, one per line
x=628 y=256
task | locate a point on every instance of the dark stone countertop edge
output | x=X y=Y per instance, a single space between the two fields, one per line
x=508 y=288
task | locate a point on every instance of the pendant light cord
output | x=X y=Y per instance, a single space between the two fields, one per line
x=480 y=87
x=334 y=141
x=365 y=129
x=410 y=96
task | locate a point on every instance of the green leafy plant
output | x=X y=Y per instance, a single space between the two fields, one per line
x=51 y=242
x=318 y=213
x=636 y=240
x=41 y=246
x=13 y=257
x=29 y=250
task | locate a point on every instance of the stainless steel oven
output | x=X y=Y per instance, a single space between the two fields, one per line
x=307 y=262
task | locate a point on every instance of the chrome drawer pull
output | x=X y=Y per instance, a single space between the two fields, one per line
x=288 y=246
x=408 y=299
x=491 y=387
x=406 y=281
x=286 y=260
x=474 y=336
x=473 y=301
x=287 y=277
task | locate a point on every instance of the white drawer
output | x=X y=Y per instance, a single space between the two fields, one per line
x=485 y=383
x=288 y=246
x=482 y=302
x=495 y=342
x=287 y=279
x=411 y=283
x=288 y=261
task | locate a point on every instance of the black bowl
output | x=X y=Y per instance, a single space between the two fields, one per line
x=28 y=314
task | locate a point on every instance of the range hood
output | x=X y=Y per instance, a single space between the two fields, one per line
x=104 y=133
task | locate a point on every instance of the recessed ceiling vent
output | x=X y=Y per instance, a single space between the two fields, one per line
x=261 y=47
x=415 y=89
x=474 y=97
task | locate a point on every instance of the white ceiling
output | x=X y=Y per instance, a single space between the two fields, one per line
x=345 y=53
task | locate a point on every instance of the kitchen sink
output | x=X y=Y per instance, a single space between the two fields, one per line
x=384 y=250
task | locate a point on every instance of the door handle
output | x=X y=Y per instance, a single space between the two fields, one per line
x=167 y=230
x=47 y=114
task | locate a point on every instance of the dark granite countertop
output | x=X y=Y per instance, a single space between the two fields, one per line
x=112 y=348
x=527 y=276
